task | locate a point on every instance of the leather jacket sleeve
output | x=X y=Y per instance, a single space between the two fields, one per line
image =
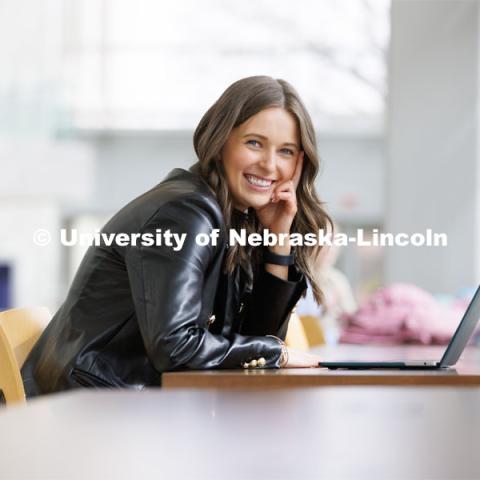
x=271 y=301
x=168 y=294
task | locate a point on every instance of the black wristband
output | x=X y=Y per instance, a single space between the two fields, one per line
x=285 y=260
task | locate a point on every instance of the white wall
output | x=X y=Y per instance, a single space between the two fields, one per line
x=352 y=178
x=39 y=180
x=433 y=141
x=36 y=278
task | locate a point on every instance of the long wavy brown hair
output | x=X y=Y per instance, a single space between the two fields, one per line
x=238 y=103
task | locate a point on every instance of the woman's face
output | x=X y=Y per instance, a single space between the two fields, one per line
x=259 y=154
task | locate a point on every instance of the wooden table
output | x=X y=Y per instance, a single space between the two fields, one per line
x=465 y=373
x=361 y=433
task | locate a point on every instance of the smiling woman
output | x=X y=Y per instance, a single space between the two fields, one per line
x=257 y=149
x=135 y=311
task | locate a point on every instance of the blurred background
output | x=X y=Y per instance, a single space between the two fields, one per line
x=99 y=100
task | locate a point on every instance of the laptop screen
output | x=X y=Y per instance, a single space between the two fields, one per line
x=463 y=333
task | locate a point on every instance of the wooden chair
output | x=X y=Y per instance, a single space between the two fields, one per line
x=20 y=328
x=296 y=337
x=313 y=330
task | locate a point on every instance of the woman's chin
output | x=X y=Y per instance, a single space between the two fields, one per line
x=255 y=201
x=259 y=204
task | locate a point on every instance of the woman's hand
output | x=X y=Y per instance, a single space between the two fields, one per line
x=278 y=215
x=299 y=359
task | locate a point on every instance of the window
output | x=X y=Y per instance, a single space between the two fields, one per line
x=159 y=65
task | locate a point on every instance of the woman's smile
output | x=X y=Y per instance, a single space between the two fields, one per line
x=259 y=183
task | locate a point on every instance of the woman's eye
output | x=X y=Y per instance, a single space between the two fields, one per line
x=255 y=143
x=288 y=151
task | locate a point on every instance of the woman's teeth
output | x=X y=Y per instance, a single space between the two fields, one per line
x=258 y=181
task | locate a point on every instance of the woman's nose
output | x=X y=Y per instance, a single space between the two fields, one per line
x=269 y=161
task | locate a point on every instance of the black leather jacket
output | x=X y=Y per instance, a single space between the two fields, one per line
x=133 y=312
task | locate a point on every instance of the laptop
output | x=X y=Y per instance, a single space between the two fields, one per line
x=450 y=357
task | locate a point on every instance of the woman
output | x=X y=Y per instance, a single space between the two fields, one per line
x=136 y=311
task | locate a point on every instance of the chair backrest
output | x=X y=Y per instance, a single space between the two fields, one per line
x=313 y=330
x=296 y=337
x=20 y=328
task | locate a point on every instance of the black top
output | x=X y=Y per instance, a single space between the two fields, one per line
x=133 y=312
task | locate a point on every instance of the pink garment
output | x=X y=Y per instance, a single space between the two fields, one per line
x=402 y=313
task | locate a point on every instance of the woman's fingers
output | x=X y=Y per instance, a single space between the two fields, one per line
x=283 y=196
x=292 y=184
x=286 y=192
x=290 y=201
x=299 y=359
x=286 y=186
